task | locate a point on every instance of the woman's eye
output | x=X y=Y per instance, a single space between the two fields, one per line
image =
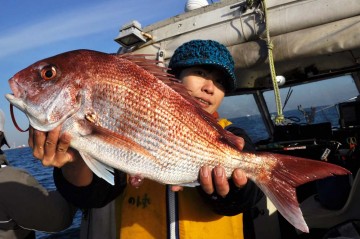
x=220 y=82
x=200 y=73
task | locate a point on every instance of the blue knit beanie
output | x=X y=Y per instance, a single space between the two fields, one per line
x=204 y=52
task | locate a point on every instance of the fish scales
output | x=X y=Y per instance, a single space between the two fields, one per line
x=123 y=112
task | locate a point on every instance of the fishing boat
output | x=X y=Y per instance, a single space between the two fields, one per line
x=298 y=70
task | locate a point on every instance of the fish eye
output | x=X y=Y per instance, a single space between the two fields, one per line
x=48 y=72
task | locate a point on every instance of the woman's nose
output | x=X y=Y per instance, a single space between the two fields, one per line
x=208 y=86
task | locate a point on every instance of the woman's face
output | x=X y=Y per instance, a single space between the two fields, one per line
x=204 y=84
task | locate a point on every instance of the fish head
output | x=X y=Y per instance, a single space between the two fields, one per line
x=50 y=90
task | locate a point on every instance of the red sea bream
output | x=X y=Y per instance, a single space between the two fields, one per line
x=125 y=112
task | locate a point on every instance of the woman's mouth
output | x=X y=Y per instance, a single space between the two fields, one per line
x=203 y=102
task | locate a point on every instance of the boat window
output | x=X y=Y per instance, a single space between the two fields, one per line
x=314 y=102
x=243 y=112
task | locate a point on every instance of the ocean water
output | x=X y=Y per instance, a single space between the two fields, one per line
x=22 y=158
x=256 y=130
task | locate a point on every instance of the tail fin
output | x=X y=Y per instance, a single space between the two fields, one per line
x=288 y=173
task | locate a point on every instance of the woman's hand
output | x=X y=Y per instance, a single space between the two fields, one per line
x=215 y=180
x=53 y=149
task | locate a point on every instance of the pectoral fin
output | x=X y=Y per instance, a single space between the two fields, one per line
x=120 y=141
x=100 y=169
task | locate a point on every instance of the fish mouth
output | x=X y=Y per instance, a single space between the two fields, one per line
x=22 y=106
x=16 y=98
x=16 y=88
x=16 y=101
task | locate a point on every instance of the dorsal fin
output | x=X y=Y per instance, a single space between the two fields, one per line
x=161 y=73
x=152 y=66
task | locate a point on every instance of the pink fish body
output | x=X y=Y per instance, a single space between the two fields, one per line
x=126 y=113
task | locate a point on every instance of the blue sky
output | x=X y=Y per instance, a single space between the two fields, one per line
x=37 y=29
